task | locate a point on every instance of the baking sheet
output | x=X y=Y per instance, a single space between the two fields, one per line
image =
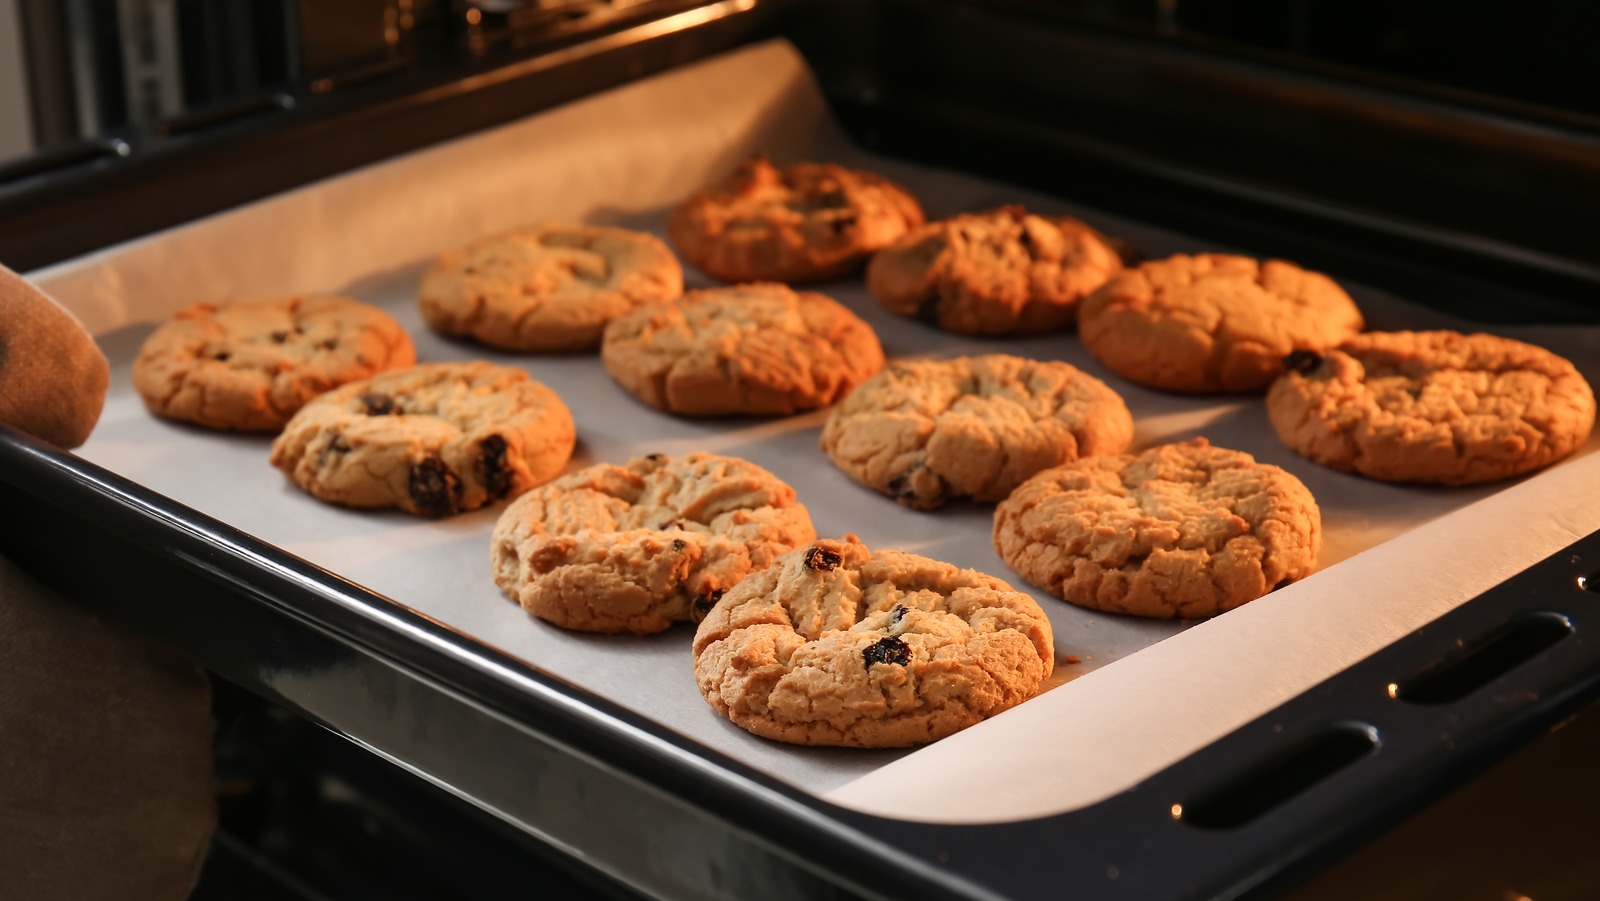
x=1128 y=708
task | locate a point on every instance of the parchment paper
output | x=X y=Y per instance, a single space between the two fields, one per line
x=625 y=157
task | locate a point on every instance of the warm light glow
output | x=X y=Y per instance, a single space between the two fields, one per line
x=1583 y=581
x=1177 y=811
x=474 y=16
x=1394 y=690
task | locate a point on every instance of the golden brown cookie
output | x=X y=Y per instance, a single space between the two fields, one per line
x=1212 y=322
x=924 y=431
x=637 y=548
x=758 y=349
x=836 y=644
x=1000 y=272
x=1439 y=407
x=432 y=440
x=250 y=365
x=1180 y=530
x=52 y=376
x=550 y=287
x=808 y=222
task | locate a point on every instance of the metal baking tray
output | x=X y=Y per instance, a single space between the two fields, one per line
x=664 y=812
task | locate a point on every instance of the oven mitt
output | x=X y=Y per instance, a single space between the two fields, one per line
x=105 y=737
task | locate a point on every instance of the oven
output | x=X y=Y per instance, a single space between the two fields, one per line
x=376 y=748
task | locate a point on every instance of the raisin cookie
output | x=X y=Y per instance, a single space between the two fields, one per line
x=433 y=440
x=637 y=548
x=249 y=366
x=1436 y=407
x=924 y=431
x=808 y=222
x=836 y=644
x=1212 y=323
x=1180 y=530
x=758 y=349
x=550 y=287
x=1001 y=272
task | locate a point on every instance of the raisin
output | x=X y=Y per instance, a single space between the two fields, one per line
x=704 y=603
x=378 y=404
x=279 y=337
x=679 y=544
x=496 y=475
x=897 y=614
x=822 y=559
x=435 y=489
x=1302 y=361
x=888 y=650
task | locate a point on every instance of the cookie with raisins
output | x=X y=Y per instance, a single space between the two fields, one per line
x=433 y=440
x=639 y=547
x=250 y=365
x=836 y=644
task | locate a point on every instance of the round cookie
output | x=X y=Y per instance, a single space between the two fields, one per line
x=433 y=440
x=249 y=366
x=1212 y=323
x=549 y=287
x=1001 y=272
x=637 y=548
x=757 y=349
x=1180 y=530
x=1435 y=407
x=808 y=222
x=924 y=431
x=836 y=644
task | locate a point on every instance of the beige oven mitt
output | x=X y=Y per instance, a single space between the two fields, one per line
x=105 y=737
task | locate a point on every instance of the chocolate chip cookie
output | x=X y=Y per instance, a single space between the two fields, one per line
x=1434 y=407
x=639 y=547
x=550 y=287
x=1001 y=272
x=433 y=440
x=1212 y=323
x=924 y=431
x=1180 y=530
x=808 y=222
x=836 y=644
x=249 y=366
x=758 y=349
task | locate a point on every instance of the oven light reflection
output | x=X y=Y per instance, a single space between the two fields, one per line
x=1394 y=690
x=1177 y=811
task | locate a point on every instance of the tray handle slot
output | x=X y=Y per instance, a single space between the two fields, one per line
x=1276 y=781
x=1482 y=661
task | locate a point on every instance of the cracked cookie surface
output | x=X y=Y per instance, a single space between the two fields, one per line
x=1434 y=407
x=836 y=644
x=1212 y=322
x=1180 y=530
x=808 y=222
x=639 y=547
x=1000 y=272
x=924 y=431
x=758 y=349
x=549 y=287
x=433 y=440
x=250 y=365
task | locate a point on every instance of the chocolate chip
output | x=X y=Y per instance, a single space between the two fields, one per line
x=928 y=309
x=378 y=404
x=492 y=457
x=221 y=356
x=655 y=458
x=900 y=487
x=897 y=614
x=671 y=524
x=329 y=344
x=336 y=446
x=679 y=544
x=435 y=489
x=888 y=650
x=1302 y=361
x=1129 y=254
x=703 y=604
x=279 y=337
x=842 y=224
x=822 y=559
x=1028 y=246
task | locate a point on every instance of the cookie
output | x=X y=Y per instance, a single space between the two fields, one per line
x=1212 y=323
x=249 y=366
x=836 y=644
x=549 y=287
x=924 y=431
x=433 y=440
x=1001 y=272
x=1433 y=407
x=637 y=548
x=758 y=349
x=1180 y=530
x=808 y=222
